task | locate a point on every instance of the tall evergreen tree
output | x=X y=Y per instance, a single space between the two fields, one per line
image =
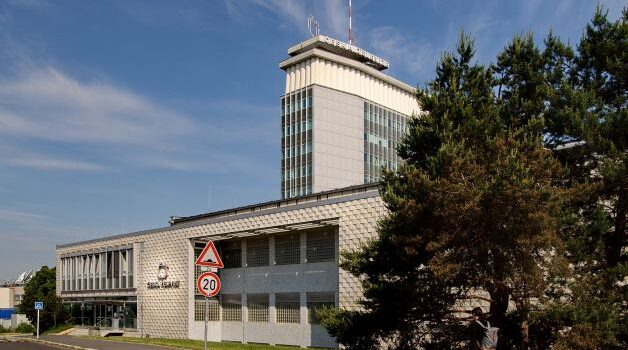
x=473 y=208
x=514 y=183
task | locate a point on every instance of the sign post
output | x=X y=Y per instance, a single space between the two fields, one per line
x=208 y=283
x=39 y=305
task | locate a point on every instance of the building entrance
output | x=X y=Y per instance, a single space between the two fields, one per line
x=112 y=314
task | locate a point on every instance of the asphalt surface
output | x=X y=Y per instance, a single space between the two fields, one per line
x=98 y=344
x=16 y=344
x=22 y=345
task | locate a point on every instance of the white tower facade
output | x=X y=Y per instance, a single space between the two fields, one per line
x=341 y=117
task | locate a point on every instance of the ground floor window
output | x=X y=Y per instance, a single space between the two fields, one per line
x=317 y=301
x=257 y=305
x=115 y=313
x=232 y=307
x=199 y=309
x=288 y=308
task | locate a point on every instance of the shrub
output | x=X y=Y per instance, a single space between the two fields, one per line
x=24 y=328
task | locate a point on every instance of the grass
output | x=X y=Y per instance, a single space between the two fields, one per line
x=193 y=344
x=58 y=328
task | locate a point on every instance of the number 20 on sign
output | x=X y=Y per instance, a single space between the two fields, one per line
x=208 y=284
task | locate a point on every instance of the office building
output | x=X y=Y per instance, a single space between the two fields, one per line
x=341 y=120
x=341 y=117
x=281 y=263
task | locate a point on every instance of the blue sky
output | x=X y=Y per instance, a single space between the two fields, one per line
x=115 y=115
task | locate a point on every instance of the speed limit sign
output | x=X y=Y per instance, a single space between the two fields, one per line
x=208 y=284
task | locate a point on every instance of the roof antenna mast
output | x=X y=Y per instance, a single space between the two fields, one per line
x=351 y=42
x=312 y=24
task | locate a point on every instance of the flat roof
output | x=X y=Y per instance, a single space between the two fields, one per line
x=264 y=208
x=314 y=197
x=340 y=48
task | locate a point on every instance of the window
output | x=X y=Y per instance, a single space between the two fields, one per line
x=257 y=305
x=131 y=265
x=199 y=309
x=317 y=301
x=232 y=307
x=116 y=269
x=231 y=254
x=288 y=308
x=287 y=249
x=321 y=246
x=257 y=252
x=97 y=271
x=124 y=262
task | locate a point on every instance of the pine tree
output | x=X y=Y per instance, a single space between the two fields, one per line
x=514 y=183
x=474 y=208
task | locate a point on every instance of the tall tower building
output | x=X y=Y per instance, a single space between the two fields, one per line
x=341 y=117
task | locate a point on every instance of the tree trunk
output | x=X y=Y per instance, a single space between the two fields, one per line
x=617 y=238
x=525 y=336
x=524 y=325
x=499 y=306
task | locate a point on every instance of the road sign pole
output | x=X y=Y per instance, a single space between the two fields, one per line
x=206 y=319
x=37 y=323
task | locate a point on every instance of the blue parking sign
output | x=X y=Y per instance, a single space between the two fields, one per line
x=39 y=305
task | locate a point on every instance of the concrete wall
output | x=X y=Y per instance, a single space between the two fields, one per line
x=339 y=73
x=6 y=298
x=338 y=139
x=170 y=312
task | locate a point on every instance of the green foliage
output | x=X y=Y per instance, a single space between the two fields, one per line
x=3 y=330
x=514 y=183
x=24 y=328
x=42 y=287
x=59 y=328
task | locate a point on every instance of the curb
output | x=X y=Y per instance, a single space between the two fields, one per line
x=58 y=345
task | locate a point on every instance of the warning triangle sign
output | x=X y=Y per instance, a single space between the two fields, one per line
x=209 y=257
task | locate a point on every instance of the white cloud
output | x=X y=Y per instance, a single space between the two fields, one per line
x=9 y=215
x=49 y=105
x=114 y=127
x=332 y=15
x=413 y=55
x=56 y=164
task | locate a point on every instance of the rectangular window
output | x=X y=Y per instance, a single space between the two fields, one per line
x=62 y=274
x=232 y=307
x=288 y=308
x=73 y=273
x=321 y=246
x=199 y=309
x=317 y=301
x=231 y=254
x=257 y=305
x=97 y=271
x=116 y=269
x=103 y=271
x=90 y=275
x=257 y=252
x=123 y=268
x=287 y=249
x=85 y=269
x=131 y=267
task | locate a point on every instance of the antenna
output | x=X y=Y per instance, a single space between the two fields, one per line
x=312 y=21
x=351 y=42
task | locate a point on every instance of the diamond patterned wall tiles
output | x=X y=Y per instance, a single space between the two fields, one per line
x=168 y=312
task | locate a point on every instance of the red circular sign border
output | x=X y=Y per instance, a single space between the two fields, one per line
x=201 y=277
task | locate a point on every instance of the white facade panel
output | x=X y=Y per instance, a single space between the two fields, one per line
x=170 y=312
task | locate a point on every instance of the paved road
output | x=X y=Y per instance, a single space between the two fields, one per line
x=7 y=345
x=98 y=344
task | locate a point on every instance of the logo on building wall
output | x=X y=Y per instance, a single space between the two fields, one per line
x=164 y=272
x=162 y=275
